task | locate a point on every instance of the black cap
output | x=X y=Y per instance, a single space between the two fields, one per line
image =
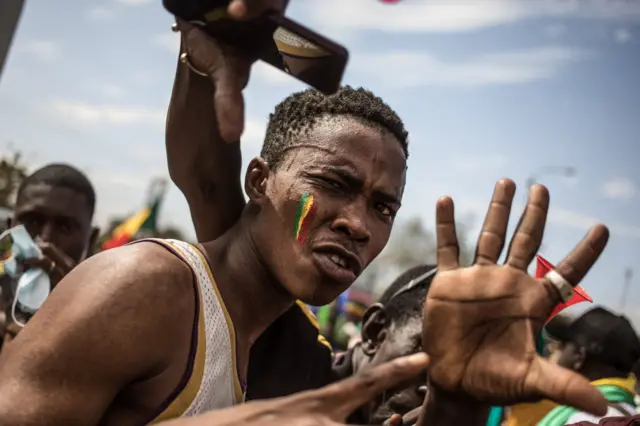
x=604 y=335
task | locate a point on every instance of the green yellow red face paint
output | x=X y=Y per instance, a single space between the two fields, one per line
x=304 y=217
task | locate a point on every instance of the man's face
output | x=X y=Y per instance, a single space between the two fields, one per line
x=399 y=340
x=568 y=355
x=330 y=207
x=56 y=215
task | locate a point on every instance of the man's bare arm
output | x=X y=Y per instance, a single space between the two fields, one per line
x=115 y=320
x=205 y=167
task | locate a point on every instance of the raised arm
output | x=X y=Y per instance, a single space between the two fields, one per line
x=114 y=321
x=204 y=166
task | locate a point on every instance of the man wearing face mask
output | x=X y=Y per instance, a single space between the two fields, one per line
x=55 y=204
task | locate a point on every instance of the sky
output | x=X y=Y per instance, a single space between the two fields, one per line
x=487 y=89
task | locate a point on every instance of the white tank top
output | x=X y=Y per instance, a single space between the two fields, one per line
x=211 y=381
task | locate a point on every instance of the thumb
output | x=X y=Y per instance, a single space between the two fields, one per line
x=343 y=398
x=565 y=387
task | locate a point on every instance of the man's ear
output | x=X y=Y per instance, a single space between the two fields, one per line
x=255 y=180
x=374 y=328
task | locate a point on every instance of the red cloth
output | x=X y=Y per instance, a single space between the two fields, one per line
x=579 y=295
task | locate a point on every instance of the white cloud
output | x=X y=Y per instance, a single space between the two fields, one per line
x=169 y=41
x=42 y=50
x=78 y=112
x=252 y=137
x=622 y=36
x=462 y=15
x=100 y=13
x=415 y=68
x=619 y=188
x=133 y=2
x=113 y=91
x=555 y=30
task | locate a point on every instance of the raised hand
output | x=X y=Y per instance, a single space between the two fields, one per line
x=328 y=406
x=481 y=322
x=227 y=68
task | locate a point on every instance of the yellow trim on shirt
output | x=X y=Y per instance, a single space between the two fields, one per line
x=185 y=398
x=313 y=320
x=239 y=395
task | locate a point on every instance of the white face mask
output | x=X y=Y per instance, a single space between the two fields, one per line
x=34 y=284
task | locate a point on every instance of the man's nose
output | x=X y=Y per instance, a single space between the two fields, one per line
x=47 y=233
x=352 y=221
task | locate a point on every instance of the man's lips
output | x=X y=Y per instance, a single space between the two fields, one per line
x=346 y=258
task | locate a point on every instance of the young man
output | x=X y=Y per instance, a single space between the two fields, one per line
x=391 y=328
x=604 y=348
x=55 y=204
x=159 y=330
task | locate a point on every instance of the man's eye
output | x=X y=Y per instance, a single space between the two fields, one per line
x=385 y=210
x=333 y=183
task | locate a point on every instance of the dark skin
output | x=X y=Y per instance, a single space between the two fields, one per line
x=59 y=220
x=574 y=357
x=121 y=356
x=382 y=341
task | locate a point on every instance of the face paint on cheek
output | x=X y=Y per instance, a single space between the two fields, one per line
x=304 y=216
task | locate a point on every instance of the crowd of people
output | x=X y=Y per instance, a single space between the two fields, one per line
x=220 y=332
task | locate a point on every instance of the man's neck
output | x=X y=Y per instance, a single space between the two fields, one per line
x=251 y=294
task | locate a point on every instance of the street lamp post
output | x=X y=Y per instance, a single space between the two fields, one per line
x=628 y=275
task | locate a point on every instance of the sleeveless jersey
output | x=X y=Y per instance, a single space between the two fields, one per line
x=211 y=380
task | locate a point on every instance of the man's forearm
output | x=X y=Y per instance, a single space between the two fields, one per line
x=441 y=409
x=201 y=163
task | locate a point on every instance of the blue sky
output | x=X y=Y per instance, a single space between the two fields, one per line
x=487 y=89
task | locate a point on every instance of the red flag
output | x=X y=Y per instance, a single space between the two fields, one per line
x=579 y=295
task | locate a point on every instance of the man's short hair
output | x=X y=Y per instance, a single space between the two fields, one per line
x=64 y=176
x=300 y=111
x=401 y=306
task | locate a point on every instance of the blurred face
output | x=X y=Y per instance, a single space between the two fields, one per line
x=568 y=355
x=56 y=215
x=328 y=209
x=394 y=341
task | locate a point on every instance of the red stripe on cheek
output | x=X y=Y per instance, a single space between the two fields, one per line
x=306 y=224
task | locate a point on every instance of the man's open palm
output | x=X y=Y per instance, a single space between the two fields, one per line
x=481 y=323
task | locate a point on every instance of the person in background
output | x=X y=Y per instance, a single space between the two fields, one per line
x=604 y=348
x=391 y=328
x=55 y=204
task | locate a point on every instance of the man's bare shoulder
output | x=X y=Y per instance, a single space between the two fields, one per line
x=144 y=267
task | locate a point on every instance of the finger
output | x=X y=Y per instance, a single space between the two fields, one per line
x=394 y=420
x=447 y=240
x=530 y=230
x=575 y=266
x=61 y=260
x=411 y=417
x=40 y=262
x=343 y=398
x=550 y=381
x=250 y=9
x=494 y=229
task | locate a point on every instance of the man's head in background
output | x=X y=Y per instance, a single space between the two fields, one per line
x=56 y=204
x=392 y=328
x=599 y=344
